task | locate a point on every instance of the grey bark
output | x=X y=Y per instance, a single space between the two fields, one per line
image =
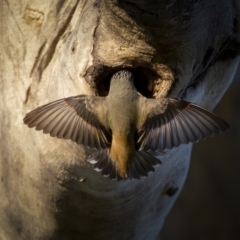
x=52 y=50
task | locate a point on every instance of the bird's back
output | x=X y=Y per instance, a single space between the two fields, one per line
x=122 y=116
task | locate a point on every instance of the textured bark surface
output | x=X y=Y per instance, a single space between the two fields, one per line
x=56 y=49
x=208 y=206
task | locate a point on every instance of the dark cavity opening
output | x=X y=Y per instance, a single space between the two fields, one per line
x=143 y=80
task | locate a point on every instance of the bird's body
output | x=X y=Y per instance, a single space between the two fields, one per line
x=125 y=126
x=122 y=104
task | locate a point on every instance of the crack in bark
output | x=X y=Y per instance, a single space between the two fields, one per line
x=46 y=59
x=93 y=70
x=59 y=5
x=27 y=94
x=40 y=50
x=207 y=56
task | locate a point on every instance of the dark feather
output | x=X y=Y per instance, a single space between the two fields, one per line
x=72 y=118
x=101 y=162
x=180 y=123
x=139 y=166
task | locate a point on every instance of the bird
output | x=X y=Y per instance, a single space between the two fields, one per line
x=124 y=127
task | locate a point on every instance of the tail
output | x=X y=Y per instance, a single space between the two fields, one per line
x=139 y=166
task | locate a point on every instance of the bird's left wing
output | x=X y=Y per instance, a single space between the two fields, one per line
x=75 y=118
x=169 y=122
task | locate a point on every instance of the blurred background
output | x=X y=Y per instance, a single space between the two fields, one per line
x=208 y=208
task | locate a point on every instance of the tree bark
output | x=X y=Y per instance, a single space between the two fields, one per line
x=57 y=49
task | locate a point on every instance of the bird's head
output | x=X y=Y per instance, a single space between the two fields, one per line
x=122 y=80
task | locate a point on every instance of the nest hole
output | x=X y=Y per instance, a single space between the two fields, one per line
x=144 y=79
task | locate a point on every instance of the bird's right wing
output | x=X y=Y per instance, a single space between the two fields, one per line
x=75 y=118
x=169 y=122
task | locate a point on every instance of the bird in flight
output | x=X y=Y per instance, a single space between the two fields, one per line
x=125 y=127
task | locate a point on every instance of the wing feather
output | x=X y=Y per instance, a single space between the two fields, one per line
x=75 y=118
x=172 y=122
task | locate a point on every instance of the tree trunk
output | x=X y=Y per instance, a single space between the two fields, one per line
x=57 y=49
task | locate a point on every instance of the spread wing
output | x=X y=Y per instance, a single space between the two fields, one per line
x=171 y=122
x=75 y=118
